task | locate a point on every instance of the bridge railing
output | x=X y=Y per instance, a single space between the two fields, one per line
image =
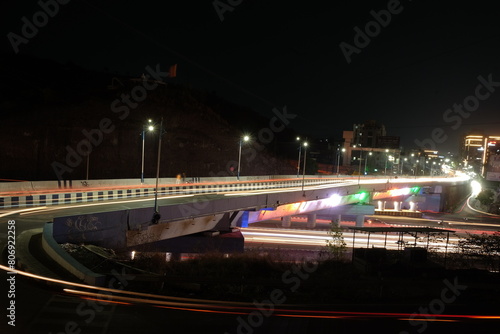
x=55 y=185
x=28 y=194
x=101 y=191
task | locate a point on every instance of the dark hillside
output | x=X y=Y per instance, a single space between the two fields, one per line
x=48 y=108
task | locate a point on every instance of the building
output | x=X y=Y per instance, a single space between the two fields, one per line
x=481 y=153
x=368 y=134
x=368 y=150
x=471 y=152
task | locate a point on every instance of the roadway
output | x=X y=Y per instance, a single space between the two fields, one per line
x=299 y=236
x=42 y=309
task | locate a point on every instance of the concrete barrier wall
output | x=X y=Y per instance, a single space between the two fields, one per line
x=28 y=186
x=54 y=250
x=81 y=195
x=116 y=190
x=105 y=229
x=31 y=186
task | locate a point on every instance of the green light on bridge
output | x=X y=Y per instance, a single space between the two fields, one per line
x=362 y=196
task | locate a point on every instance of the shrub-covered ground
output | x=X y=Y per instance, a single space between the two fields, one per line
x=254 y=275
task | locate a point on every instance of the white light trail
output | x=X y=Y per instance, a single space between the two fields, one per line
x=45 y=209
x=318 y=238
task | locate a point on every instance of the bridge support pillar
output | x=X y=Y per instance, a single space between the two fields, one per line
x=311 y=220
x=413 y=206
x=286 y=221
x=360 y=220
x=336 y=221
x=397 y=206
x=381 y=205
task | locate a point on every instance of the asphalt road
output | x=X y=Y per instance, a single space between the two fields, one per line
x=46 y=309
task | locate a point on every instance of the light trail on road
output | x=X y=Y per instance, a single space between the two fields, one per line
x=46 y=209
x=318 y=239
x=317 y=311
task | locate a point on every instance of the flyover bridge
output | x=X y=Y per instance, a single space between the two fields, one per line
x=215 y=207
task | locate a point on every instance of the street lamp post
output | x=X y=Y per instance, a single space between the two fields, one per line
x=88 y=162
x=359 y=167
x=413 y=163
x=304 y=168
x=386 y=161
x=156 y=215
x=366 y=160
x=245 y=138
x=338 y=159
x=298 y=162
x=402 y=164
x=150 y=128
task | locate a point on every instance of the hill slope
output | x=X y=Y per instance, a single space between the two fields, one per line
x=55 y=114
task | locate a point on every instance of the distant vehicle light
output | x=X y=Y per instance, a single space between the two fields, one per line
x=476 y=187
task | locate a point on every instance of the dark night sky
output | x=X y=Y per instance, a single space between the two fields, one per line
x=267 y=54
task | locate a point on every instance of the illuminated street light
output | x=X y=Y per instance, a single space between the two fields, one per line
x=150 y=127
x=402 y=164
x=245 y=138
x=298 y=162
x=156 y=215
x=386 y=161
x=304 y=168
x=359 y=168
x=338 y=159
x=389 y=158
x=366 y=160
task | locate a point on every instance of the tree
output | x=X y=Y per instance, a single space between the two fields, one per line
x=485 y=197
x=336 y=245
x=484 y=247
